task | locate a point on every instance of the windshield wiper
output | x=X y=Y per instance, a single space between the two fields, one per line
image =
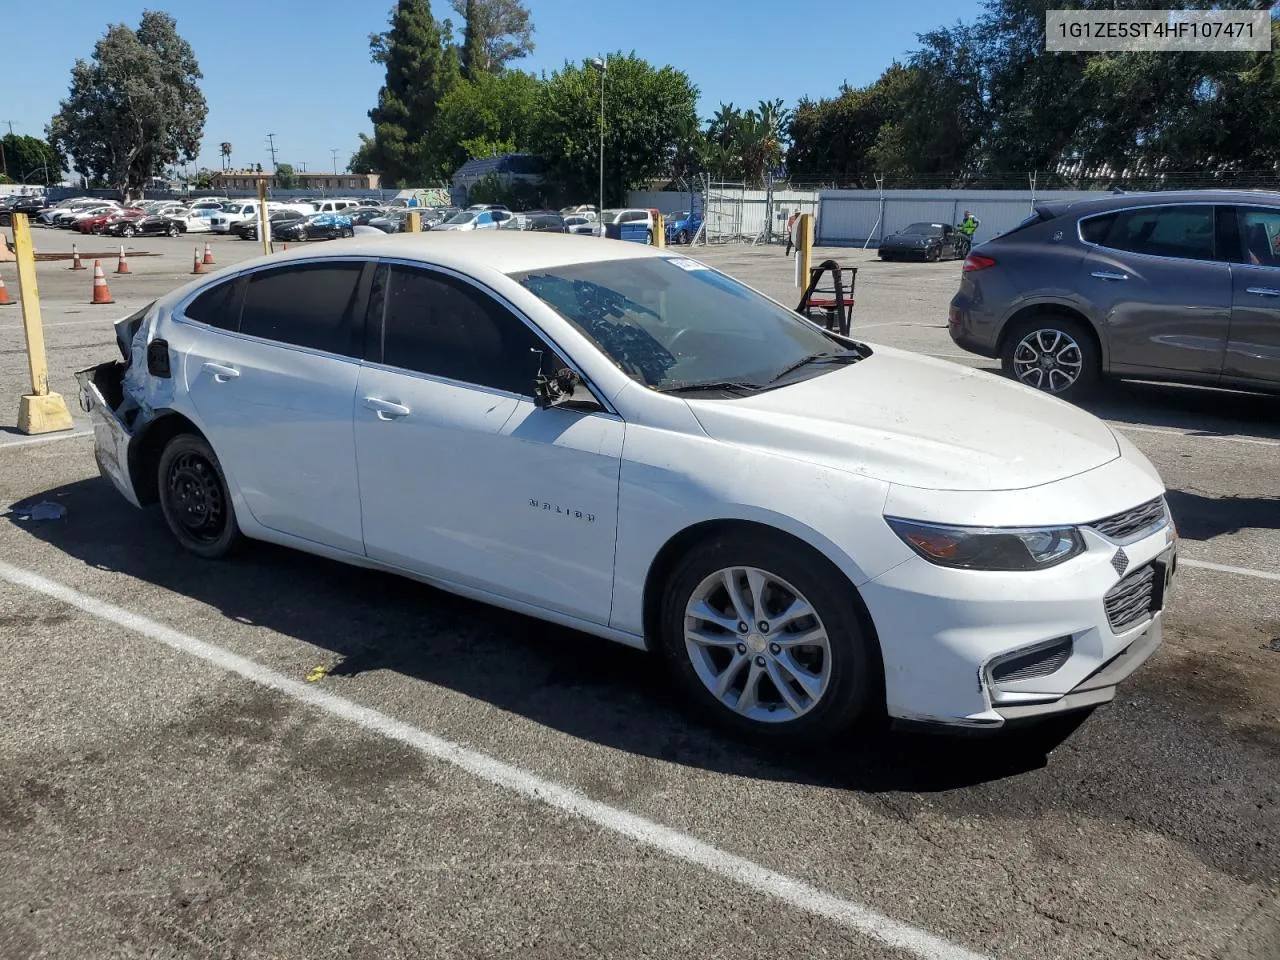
x=851 y=357
x=700 y=387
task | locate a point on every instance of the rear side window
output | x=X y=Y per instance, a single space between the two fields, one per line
x=219 y=306
x=308 y=305
x=1183 y=232
x=439 y=325
x=1260 y=230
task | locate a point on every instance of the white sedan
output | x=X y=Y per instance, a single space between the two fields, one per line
x=808 y=529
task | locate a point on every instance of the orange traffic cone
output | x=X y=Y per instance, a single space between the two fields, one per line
x=75 y=259
x=101 y=293
x=122 y=266
x=5 y=301
x=197 y=266
x=208 y=253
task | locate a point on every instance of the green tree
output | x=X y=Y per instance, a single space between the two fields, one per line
x=286 y=178
x=645 y=108
x=497 y=32
x=30 y=159
x=362 y=160
x=135 y=107
x=419 y=72
x=485 y=117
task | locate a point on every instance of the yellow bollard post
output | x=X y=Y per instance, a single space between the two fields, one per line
x=40 y=411
x=659 y=231
x=415 y=222
x=804 y=250
x=264 y=220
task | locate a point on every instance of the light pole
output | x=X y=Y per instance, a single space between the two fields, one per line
x=603 y=66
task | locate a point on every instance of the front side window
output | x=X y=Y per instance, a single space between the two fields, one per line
x=306 y=305
x=439 y=325
x=1176 y=231
x=673 y=323
x=1260 y=235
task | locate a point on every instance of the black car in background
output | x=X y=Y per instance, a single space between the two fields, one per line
x=924 y=241
x=362 y=216
x=153 y=226
x=545 y=221
x=20 y=204
x=247 y=229
x=317 y=226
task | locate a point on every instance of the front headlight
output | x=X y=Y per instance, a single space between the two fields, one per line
x=989 y=548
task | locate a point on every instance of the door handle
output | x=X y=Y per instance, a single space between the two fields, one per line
x=1264 y=291
x=385 y=409
x=221 y=372
x=1108 y=275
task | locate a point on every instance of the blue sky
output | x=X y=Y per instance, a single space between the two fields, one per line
x=300 y=68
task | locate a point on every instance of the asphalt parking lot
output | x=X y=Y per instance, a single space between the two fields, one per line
x=463 y=782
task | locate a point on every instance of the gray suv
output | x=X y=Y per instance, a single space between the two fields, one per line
x=1178 y=286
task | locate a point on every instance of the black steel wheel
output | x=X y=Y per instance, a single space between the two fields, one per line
x=195 y=498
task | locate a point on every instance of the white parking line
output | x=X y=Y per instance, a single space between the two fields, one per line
x=32 y=441
x=1225 y=568
x=1195 y=436
x=796 y=893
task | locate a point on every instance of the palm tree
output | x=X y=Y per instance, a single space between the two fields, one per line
x=225 y=149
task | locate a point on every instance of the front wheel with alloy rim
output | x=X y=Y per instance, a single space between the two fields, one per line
x=1054 y=354
x=194 y=498
x=762 y=633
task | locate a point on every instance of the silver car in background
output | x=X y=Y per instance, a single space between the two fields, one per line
x=1179 y=286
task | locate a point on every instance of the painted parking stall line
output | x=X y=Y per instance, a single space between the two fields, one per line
x=1227 y=568
x=795 y=893
x=1188 y=435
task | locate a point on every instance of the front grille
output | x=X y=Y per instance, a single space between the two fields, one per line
x=1130 y=600
x=1037 y=662
x=1122 y=526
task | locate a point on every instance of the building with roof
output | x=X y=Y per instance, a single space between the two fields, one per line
x=249 y=179
x=508 y=169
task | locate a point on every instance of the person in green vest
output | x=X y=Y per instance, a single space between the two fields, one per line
x=969 y=225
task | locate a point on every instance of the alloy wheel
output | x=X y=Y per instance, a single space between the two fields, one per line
x=757 y=644
x=1048 y=359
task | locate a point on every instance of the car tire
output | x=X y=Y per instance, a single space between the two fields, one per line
x=933 y=254
x=195 y=499
x=848 y=667
x=1076 y=367
x=173 y=230
x=127 y=231
x=682 y=237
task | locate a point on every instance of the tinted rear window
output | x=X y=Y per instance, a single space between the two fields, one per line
x=1175 y=231
x=308 y=305
x=219 y=306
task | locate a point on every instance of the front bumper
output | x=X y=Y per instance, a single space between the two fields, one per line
x=944 y=632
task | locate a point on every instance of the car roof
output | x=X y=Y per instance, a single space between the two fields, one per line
x=1119 y=201
x=504 y=251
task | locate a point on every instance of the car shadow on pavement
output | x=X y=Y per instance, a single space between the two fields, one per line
x=1202 y=518
x=1200 y=411
x=565 y=680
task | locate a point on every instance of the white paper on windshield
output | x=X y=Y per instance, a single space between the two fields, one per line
x=686 y=264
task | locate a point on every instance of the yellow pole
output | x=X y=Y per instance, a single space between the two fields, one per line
x=415 y=222
x=264 y=222
x=804 y=249
x=659 y=231
x=39 y=411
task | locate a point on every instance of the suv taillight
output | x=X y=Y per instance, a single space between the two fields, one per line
x=976 y=261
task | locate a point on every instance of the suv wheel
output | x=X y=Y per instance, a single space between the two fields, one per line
x=1054 y=354
x=195 y=499
x=762 y=636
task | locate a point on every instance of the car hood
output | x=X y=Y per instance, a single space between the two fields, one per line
x=920 y=422
x=905 y=240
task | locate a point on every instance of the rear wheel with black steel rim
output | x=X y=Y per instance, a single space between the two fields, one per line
x=763 y=636
x=195 y=499
x=1052 y=353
